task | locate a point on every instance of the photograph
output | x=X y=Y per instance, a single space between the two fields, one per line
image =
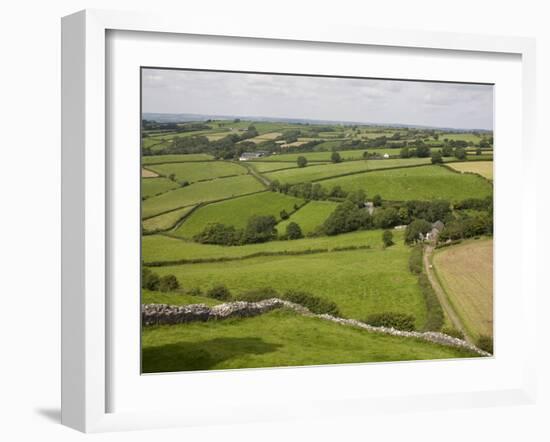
x=292 y=220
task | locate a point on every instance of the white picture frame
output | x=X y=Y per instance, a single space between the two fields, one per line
x=85 y=210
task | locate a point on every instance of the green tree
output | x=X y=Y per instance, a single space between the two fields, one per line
x=387 y=238
x=293 y=231
x=335 y=157
x=301 y=161
x=377 y=200
x=365 y=155
x=415 y=229
x=405 y=153
x=447 y=151
x=422 y=151
x=460 y=153
x=168 y=283
x=283 y=214
x=259 y=228
x=437 y=158
x=386 y=217
x=358 y=197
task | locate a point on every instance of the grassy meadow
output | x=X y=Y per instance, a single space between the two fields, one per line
x=265 y=341
x=192 y=172
x=200 y=192
x=310 y=216
x=416 y=183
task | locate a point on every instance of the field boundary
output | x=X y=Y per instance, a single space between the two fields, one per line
x=164 y=314
x=186 y=261
x=205 y=203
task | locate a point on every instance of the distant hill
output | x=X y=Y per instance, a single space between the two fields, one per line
x=183 y=117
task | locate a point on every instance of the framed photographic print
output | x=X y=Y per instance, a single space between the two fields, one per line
x=294 y=220
x=310 y=219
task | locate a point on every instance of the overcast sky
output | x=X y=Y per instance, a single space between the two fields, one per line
x=286 y=96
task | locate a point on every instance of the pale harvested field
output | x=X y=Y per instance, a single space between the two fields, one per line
x=483 y=168
x=466 y=274
x=265 y=137
x=145 y=173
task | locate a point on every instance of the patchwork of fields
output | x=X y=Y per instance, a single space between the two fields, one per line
x=192 y=172
x=236 y=212
x=362 y=276
x=200 y=192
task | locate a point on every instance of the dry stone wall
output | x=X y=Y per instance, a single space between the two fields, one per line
x=164 y=314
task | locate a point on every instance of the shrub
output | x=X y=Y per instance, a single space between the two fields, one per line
x=168 y=283
x=335 y=157
x=387 y=238
x=415 y=259
x=258 y=295
x=377 y=200
x=399 y=321
x=149 y=279
x=434 y=317
x=195 y=291
x=437 y=157
x=301 y=161
x=485 y=343
x=218 y=233
x=284 y=214
x=293 y=231
x=313 y=303
x=220 y=292
x=454 y=332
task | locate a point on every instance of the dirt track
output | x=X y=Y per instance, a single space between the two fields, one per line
x=441 y=295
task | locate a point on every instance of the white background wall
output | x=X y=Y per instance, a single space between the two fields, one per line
x=30 y=221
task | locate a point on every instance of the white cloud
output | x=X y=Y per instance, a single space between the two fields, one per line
x=322 y=98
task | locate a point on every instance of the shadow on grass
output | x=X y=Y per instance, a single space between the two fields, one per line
x=188 y=356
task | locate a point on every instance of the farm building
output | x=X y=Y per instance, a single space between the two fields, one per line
x=369 y=205
x=437 y=227
x=386 y=156
x=245 y=156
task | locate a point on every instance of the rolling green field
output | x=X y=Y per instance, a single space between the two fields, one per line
x=269 y=166
x=276 y=339
x=160 y=159
x=315 y=156
x=154 y=186
x=416 y=183
x=162 y=248
x=165 y=221
x=360 y=282
x=193 y=172
x=314 y=172
x=310 y=216
x=237 y=211
x=174 y=298
x=198 y=192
